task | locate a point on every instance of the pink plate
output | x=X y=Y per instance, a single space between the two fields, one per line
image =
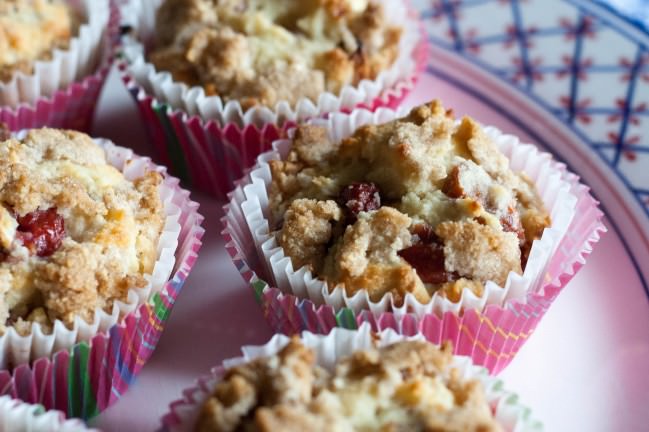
x=571 y=76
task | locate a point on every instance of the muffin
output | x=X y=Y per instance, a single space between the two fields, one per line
x=30 y=30
x=264 y=52
x=54 y=59
x=218 y=81
x=409 y=385
x=95 y=246
x=75 y=234
x=348 y=381
x=419 y=205
x=419 y=223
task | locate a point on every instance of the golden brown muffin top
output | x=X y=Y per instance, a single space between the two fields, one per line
x=405 y=386
x=262 y=52
x=29 y=31
x=418 y=205
x=75 y=234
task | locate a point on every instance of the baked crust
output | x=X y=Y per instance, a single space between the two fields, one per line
x=30 y=30
x=308 y=230
x=405 y=386
x=262 y=52
x=111 y=228
x=366 y=257
x=452 y=214
x=478 y=251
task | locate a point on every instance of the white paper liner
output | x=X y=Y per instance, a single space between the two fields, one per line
x=549 y=176
x=18 y=416
x=192 y=100
x=341 y=343
x=16 y=349
x=80 y=59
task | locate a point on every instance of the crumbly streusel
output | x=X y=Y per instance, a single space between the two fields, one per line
x=75 y=234
x=29 y=31
x=418 y=205
x=263 y=52
x=405 y=386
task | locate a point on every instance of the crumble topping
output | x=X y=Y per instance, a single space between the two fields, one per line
x=29 y=31
x=309 y=230
x=263 y=52
x=428 y=205
x=75 y=234
x=405 y=386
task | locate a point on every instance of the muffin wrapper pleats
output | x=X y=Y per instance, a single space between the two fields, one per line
x=83 y=370
x=209 y=144
x=490 y=328
x=508 y=411
x=17 y=416
x=64 y=91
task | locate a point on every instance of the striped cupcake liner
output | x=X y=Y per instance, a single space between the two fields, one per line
x=510 y=414
x=72 y=107
x=93 y=374
x=210 y=155
x=490 y=334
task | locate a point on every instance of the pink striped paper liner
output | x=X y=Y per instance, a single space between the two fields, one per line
x=210 y=156
x=91 y=376
x=491 y=337
x=72 y=107
x=509 y=413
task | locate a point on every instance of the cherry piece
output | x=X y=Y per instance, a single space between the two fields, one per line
x=428 y=260
x=42 y=231
x=426 y=233
x=358 y=197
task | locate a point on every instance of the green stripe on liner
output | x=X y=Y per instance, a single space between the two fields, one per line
x=536 y=425
x=498 y=385
x=512 y=399
x=258 y=287
x=159 y=308
x=81 y=401
x=173 y=145
x=345 y=319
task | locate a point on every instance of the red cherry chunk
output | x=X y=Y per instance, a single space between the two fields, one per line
x=428 y=260
x=426 y=233
x=42 y=231
x=358 y=197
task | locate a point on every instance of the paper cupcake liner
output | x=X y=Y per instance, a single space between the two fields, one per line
x=17 y=416
x=84 y=370
x=63 y=92
x=509 y=413
x=293 y=301
x=208 y=144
